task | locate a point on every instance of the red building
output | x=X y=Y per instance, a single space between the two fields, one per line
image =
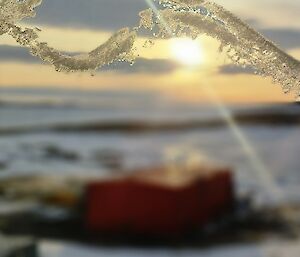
x=159 y=202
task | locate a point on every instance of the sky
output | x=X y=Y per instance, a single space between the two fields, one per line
x=79 y=26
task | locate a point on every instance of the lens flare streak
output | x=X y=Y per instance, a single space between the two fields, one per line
x=263 y=175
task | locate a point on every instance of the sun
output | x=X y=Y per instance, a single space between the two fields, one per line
x=187 y=51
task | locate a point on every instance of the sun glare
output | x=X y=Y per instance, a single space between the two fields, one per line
x=187 y=51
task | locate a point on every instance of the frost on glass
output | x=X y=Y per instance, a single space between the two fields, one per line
x=243 y=45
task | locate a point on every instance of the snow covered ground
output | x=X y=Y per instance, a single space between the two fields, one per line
x=267 y=249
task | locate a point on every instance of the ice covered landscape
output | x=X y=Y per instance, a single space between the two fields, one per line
x=29 y=146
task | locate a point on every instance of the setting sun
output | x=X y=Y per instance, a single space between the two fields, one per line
x=187 y=51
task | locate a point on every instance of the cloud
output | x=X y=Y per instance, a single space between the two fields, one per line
x=93 y=14
x=285 y=38
x=231 y=69
x=142 y=65
x=18 y=54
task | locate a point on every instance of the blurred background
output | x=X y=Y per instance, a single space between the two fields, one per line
x=181 y=100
